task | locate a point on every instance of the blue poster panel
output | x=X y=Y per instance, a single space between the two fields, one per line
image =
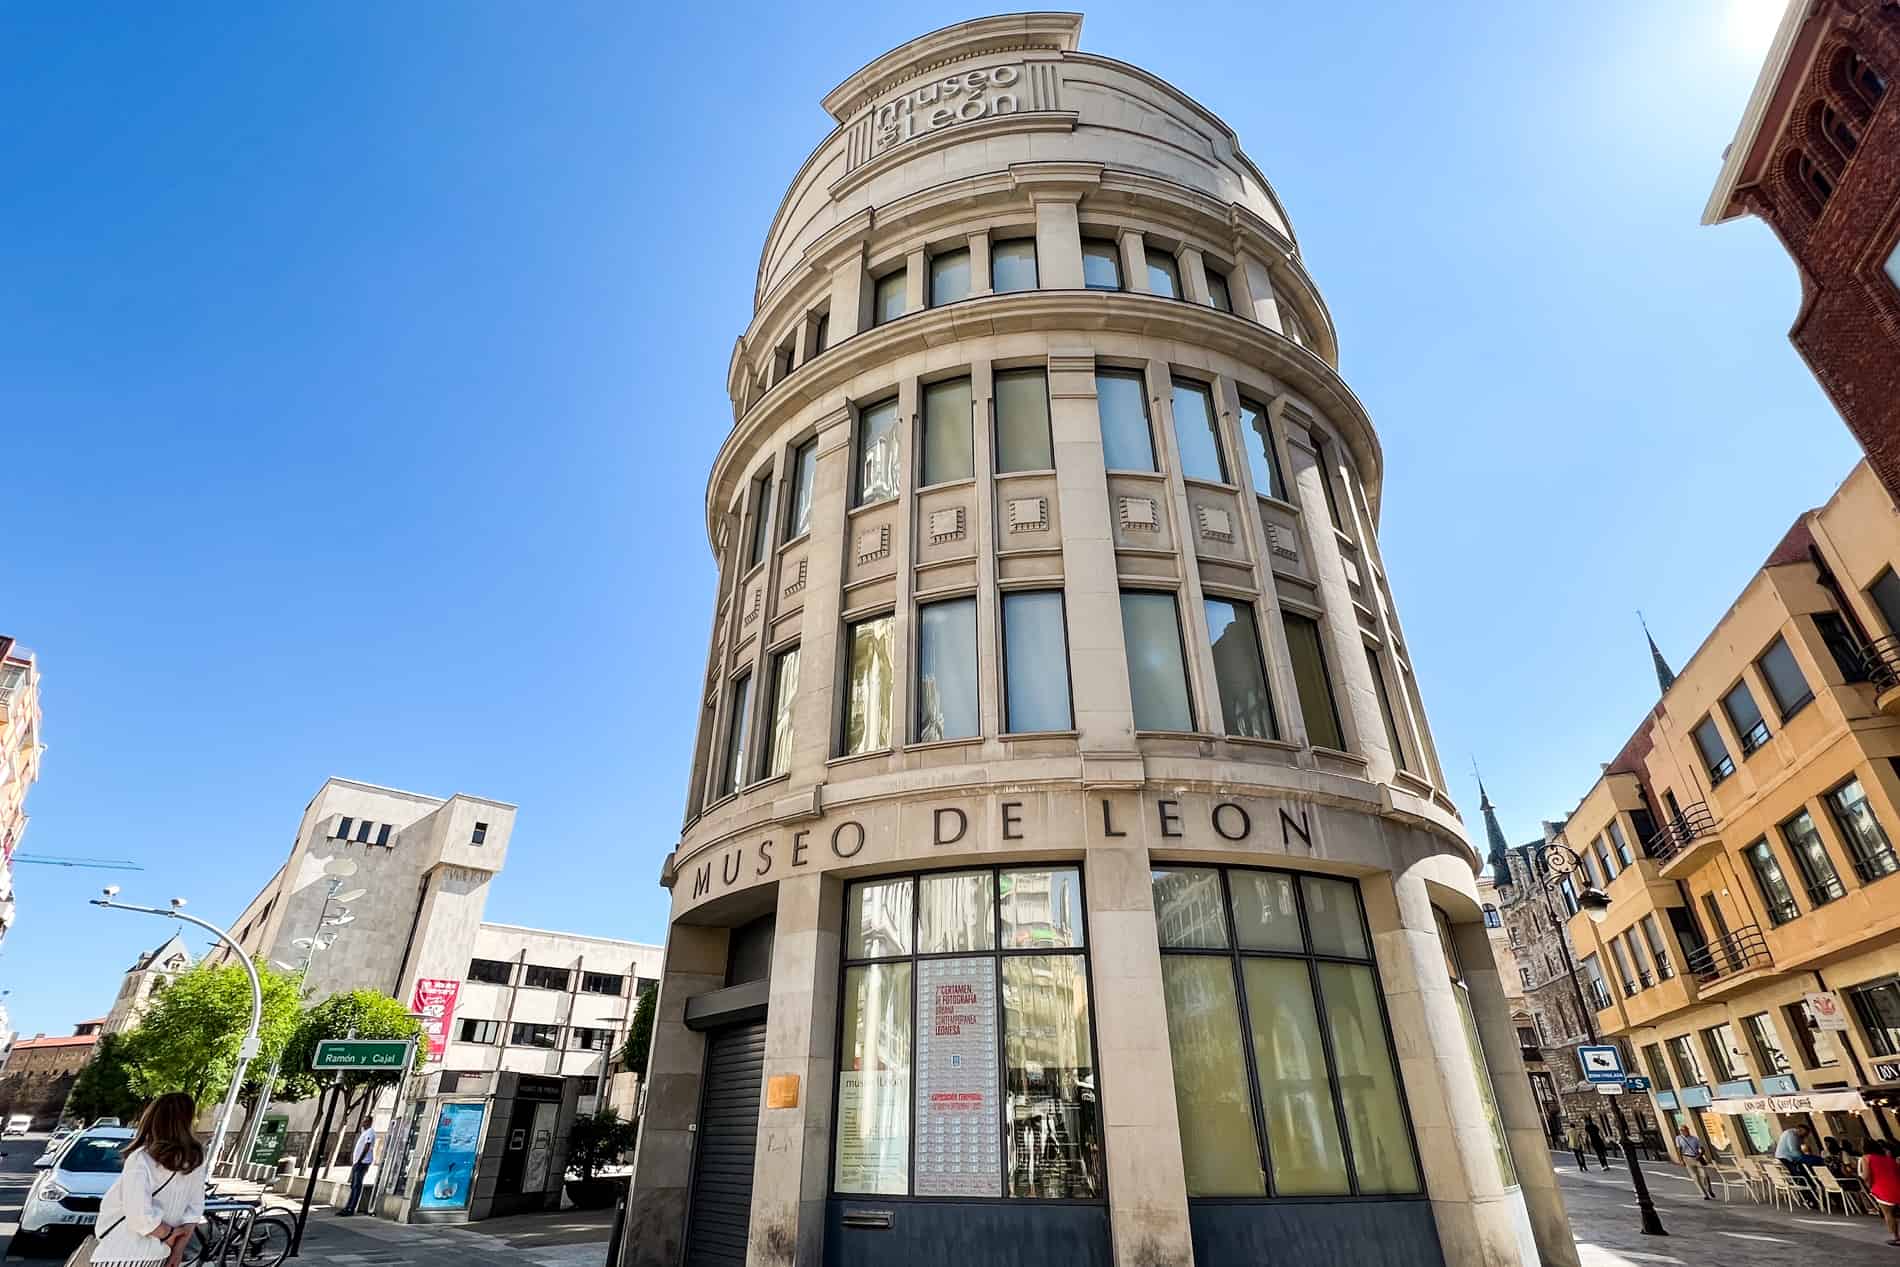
x=451 y=1173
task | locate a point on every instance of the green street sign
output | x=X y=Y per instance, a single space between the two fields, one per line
x=360 y=1053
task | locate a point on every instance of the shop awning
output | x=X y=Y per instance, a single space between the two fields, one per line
x=1806 y=1102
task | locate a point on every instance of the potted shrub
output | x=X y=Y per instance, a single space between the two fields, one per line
x=596 y=1140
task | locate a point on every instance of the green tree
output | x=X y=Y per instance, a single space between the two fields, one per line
x=188 y=1041
x=596 y=1140
x=353 y=1013
x=104 y=1087
x=633 y=1056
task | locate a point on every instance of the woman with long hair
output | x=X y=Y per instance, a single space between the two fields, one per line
x=147 y=1216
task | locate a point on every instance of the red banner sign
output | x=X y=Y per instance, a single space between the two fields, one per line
x=435 y=1004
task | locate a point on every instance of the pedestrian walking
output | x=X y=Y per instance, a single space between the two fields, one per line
x=360 y=1157
x=1695 y=1159
x=1595 y=1136
x=158 y=1200
x=1574 y=1137
x=1881 y=1174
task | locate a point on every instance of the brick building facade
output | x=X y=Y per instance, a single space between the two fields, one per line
x=1817 y=156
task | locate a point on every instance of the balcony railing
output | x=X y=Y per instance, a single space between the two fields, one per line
x=1882 y=657
x=1739 y=951
x=1695 y=822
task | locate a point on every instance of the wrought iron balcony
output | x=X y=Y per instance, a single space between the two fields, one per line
x=1882 y=657
x=1739 y=951
x=1695 y=822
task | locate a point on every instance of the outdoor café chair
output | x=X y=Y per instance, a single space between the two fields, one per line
x=1727 y=1170
x=1834 y=1189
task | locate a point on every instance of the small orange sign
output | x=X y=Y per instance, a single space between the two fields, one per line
x=781 y=1091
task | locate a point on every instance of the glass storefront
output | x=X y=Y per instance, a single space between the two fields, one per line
x=1285 y=1080
x=967 y=1050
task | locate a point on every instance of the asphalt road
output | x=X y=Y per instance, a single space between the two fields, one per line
x=16 y=1175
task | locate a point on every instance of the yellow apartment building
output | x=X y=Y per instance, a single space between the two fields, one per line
x=1750 y=957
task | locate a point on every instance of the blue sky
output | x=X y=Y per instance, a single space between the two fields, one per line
x=363 y=364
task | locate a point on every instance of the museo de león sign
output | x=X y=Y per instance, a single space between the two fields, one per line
x=960 y=98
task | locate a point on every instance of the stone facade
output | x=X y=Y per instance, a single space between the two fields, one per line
x=1047 y=544
x=20 y=749
x=39 y=1074
x=147 y=975
x=1817 y=156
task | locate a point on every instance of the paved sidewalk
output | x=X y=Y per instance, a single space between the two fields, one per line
x=570 y=1238
x=1736 y=1233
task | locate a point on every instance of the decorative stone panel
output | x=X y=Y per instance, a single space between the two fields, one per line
x=874 y=543
x=1138 y=513
x=1028 y=514
x=795 y=578
x=1216 y=524
x=946 y=524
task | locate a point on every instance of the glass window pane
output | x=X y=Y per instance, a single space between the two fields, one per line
x=877 y=919
x=1256 y=436
x=867 y=720
x=1783 y=675
x=1101 y=264
x=1266 y=916
x=1055 y=1143
x=872 y=1153
x=1313 y=681
x=887 y=298
x=949 y=276
x=1013 y=265
x=1189 y=911
x=1127 y=443
x=878 y=465
x=1886 y=595
x=1022 y=422
x=784 y=697
x=1332 y=916
x=947 y=444
x=1164 y=275
x=1157 y=675
x=1035 y=662
x=1295 y=1090
x=1196 y=431
x=1218 y=1148
x=956 y=912
x=804 y=474
x=1042 y=909
x=1775 y=892
x=1811 y=856
x=946 y=670
x=1739 y=704
x=1217 y=294
x=1708 y=740
x=1487 y=1094
x=1368 y=1083
x=1866 y=838
x=738 y=724
x=761 y=521
x=1245 y=703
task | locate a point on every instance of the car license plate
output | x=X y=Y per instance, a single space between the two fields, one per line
x=77 y=1218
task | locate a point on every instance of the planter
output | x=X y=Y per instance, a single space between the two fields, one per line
x=594 y=1194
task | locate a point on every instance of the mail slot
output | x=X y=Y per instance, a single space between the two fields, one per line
x=869 y=1218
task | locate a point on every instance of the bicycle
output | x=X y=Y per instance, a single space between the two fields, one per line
x=239 y=1231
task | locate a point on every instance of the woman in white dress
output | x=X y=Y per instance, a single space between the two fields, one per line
x=147 y=1216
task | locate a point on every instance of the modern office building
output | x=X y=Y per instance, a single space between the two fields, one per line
x=1068 y=875
x=20 y=749
x=1750 y=956
x=407 y=920
x=1817 y=156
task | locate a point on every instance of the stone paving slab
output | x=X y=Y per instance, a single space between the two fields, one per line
x=1736 y=1233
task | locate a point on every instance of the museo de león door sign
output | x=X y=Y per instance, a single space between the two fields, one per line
x=957 y=1129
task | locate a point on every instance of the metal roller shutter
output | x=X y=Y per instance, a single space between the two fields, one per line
x=728 y=1138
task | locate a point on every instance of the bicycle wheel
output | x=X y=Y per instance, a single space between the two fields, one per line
x=206 y=1238
x=268 y=1242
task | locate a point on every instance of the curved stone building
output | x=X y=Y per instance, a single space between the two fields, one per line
x=1068 y=876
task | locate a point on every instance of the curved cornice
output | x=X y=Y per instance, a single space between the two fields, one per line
x=1071 y=313
x=1005 y=32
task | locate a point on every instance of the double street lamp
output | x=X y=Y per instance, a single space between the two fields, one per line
x=1561 y=862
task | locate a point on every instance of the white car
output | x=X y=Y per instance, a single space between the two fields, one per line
x=64 y=1197
x=19 y=1126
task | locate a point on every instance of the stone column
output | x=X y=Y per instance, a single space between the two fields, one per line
x=1523 y=1128
x=1058 y=243
x=850 y=295
x=790 y=1171
x=820 y=626
x=1098 y=666
x=1147 y=1183
x=1479 y=1219
x=916 y=283
x=676 y=1063
x=1134 y=262
x=1193 y=275
x=979 y=264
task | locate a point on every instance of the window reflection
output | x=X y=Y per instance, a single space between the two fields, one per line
x=946 y=670
x=1295 y=1092
x=873 y=1143
x=1041 y=909
x=1246 y=704
x=784 y=697
x=867 y=722
x=878 y=463
x=1368 y=1084
x=1218 y=1149
x=1054 y=1134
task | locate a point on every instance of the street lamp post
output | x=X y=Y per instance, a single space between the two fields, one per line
x=1560 y=860
x=247 y=1050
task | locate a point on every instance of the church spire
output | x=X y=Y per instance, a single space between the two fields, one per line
x=1665 y=676
x=1499 y=857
